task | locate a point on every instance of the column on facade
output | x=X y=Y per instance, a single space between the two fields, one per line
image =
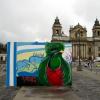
x=79 y=51
x=82 y=52
x=76 y=51
x=85 y=51
x=73 y=50
x=96 y=51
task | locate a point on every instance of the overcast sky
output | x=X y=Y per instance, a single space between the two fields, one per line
x=32 y=20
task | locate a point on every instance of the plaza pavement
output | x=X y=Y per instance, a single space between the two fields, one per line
x=46 y=93
x=85 y=87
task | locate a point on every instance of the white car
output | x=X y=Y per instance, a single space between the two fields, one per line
x=97 y=59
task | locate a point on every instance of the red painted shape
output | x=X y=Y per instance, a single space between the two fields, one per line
x=29 y=79
x=55 y=77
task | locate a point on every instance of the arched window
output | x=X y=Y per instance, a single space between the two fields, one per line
x=57 y=31
x=1 y=58
x=99 y=54
x=76 y=37
x=82 y=35
x=98 y=33
x=90 y=50
x=98 y=48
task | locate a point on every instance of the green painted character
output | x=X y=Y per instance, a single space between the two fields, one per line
x=54 y=70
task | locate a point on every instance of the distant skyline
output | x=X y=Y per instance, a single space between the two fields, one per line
x=32 y=20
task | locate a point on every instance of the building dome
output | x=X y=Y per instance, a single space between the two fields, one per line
x=56 y=21
x=96 y=22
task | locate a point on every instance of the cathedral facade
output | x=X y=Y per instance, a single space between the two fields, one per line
x=82 y=46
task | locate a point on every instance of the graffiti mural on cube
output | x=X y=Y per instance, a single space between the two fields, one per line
x=34 y=63
x=29 y=57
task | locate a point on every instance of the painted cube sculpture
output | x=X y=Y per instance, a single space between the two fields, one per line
x=39 y=63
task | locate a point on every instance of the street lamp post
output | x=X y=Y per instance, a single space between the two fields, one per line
x=79 y=68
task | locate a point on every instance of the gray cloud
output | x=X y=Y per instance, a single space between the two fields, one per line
x=31 y=20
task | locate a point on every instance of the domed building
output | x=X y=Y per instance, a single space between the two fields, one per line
x=82 y=46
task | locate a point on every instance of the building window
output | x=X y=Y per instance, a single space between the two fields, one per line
x=81 y=34
x=99 y=55
x=57 y=31
x=90 y=50
x=98 y=48
x=1 y=58
x=98 y=33
x=75 y=36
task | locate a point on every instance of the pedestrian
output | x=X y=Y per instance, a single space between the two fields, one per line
x=88 y=64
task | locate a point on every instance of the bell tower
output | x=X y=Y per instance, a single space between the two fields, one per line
x=57 y=33
x=96 y=29
x=96 y=38
x=57 y=28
